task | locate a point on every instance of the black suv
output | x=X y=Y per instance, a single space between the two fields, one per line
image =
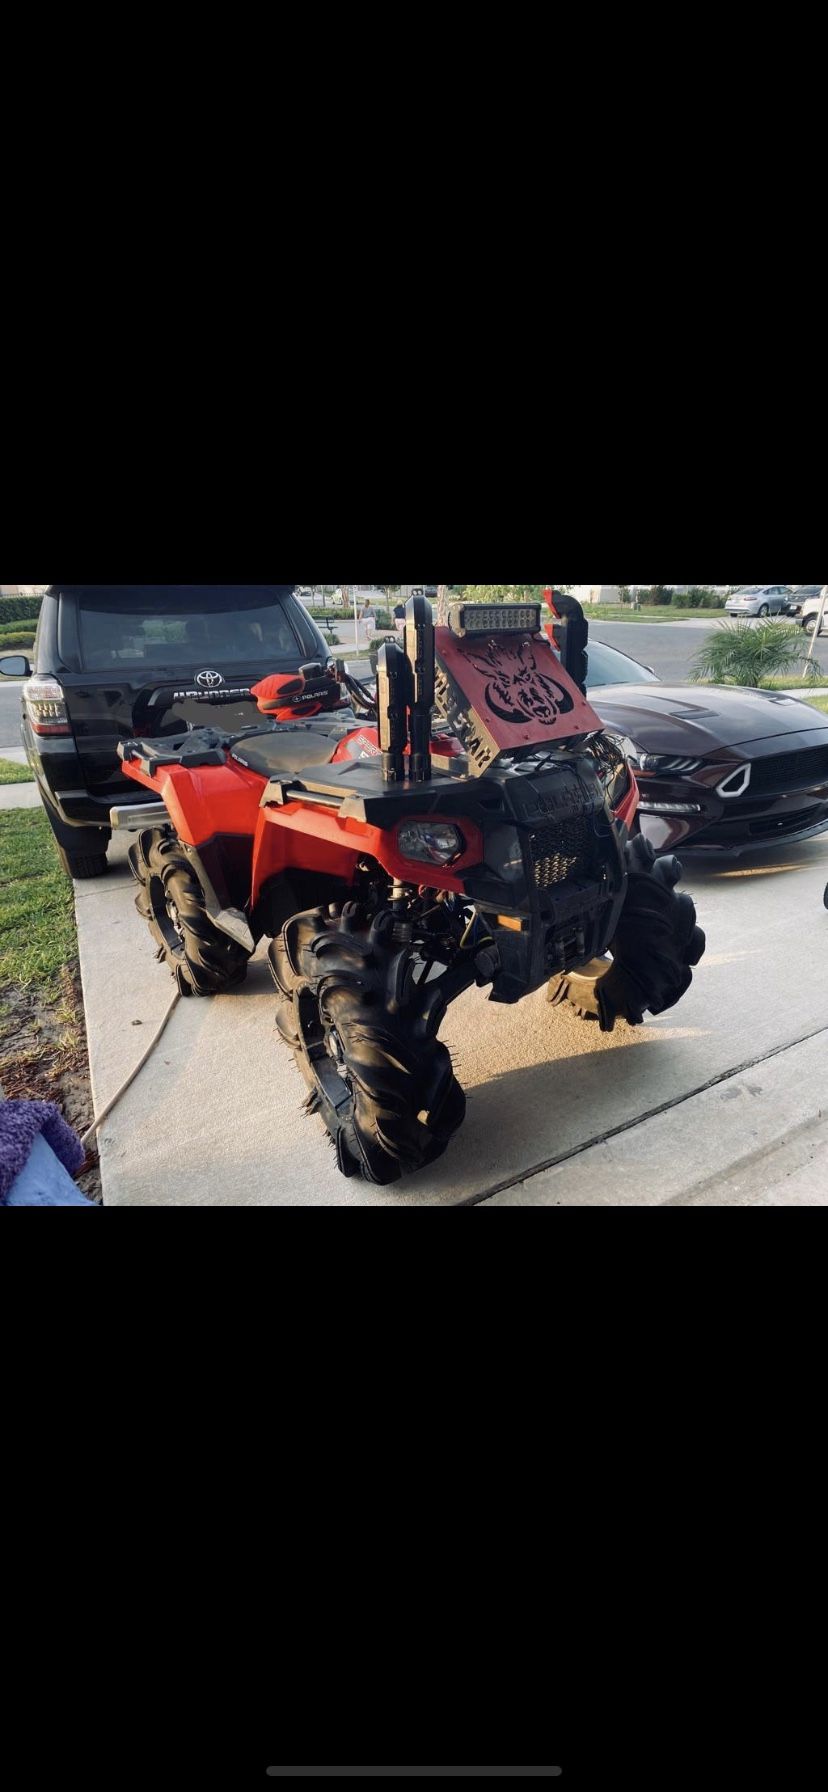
x=116 y=662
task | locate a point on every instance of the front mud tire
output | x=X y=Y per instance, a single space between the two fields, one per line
x=654 y=953
x=365 y=1040
x=203 y=960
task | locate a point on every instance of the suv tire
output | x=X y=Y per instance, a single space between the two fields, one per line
x=82 y=851
x=83 y=864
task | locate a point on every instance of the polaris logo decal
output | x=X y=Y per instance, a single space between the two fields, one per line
x=209 y=681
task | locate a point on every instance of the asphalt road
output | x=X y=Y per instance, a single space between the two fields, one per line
x=9 y=714
x=669 y=648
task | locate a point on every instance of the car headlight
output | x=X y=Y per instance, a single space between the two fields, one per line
x=431 y=842
x=655 y=765
x=613 y=767
x=640 y=760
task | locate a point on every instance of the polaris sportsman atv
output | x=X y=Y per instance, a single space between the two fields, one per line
x=471 y=824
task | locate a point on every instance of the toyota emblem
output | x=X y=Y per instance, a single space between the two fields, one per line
x=209 y=680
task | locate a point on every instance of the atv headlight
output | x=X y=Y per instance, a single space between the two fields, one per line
x=432 y=842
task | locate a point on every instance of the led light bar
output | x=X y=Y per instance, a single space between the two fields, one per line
x=495 y=619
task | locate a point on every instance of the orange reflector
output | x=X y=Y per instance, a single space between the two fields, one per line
x=513 y=922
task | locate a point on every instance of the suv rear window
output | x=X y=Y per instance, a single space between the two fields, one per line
x=188 y=625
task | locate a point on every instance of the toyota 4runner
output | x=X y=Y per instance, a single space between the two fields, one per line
x=123 y=662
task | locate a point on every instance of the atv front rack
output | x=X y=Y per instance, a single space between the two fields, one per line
x=200 y=747
x=357 y=788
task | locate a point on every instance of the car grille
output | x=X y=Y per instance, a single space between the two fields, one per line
x=789 y=771
x=558 y=851
x=774 y=826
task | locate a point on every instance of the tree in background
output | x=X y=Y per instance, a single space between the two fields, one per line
x=494 y=594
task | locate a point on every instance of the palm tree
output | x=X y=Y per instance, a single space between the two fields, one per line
x=746 y=653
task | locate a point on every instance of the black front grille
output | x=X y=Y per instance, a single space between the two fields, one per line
x=775 y=825
x=561 y=849
x=789 y=771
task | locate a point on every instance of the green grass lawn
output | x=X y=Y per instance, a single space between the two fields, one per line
x=43 y=1054
x=14 y=774
x=648 y=613
x=818 y=703
x=794 y=684
x=37 y=911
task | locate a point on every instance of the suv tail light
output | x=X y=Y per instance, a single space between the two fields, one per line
x=45 y=706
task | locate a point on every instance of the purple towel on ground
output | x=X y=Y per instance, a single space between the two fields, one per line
x=43 y=1182
x=21 y=1122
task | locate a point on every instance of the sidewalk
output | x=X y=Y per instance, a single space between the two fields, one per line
x=719 y=1100
x=766 y=1143
x=19 y=796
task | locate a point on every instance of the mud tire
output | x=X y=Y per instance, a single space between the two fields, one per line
x=656 y=948
x=203 y=960
x=365 y=1040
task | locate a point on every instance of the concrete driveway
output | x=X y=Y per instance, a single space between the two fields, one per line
x=719 y=1102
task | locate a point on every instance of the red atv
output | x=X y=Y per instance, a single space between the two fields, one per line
x=472 y=824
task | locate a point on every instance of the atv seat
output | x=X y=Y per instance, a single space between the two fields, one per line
x=285 y=751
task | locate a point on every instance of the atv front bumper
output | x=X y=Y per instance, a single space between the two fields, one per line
x=567 y=867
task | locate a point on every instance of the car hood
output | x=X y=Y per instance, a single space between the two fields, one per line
x=699 y=719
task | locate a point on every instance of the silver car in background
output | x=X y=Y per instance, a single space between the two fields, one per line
x=758 y=600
